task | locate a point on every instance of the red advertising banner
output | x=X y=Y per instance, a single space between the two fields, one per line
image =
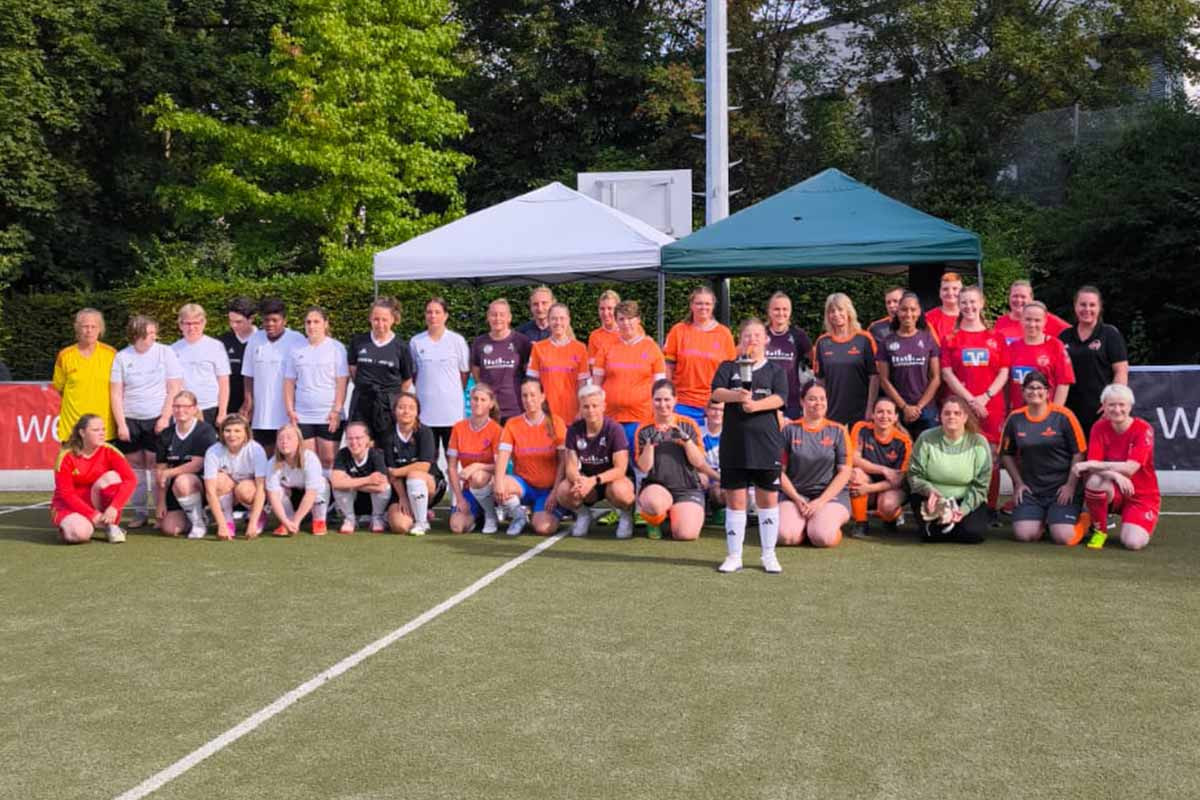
x=28 y=424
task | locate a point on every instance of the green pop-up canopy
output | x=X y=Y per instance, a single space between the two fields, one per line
x=828 y=222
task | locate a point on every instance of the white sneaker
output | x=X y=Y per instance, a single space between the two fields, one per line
x=732 y=563
x=771 y=564
x=583 y=521
x=197 y=532
x=519 y=520
x=490 y=524
x=625 y=525
x=419 y=529
x=115 y=534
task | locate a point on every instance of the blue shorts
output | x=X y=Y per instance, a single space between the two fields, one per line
x=535 y=498
x=630 y=429
x=696 y=414
x=472 y=504
x=1046 y=509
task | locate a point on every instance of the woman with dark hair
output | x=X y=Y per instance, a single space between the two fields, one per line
x=411 y=459
x=628 y=369
x=471 y=464
x=180 y=460
x=381 y=366
x=909 y=362
x=817 y=465
x=754 y=391
x=534 y=443
x=92 y=483
x=1098 y=356
x=146 y=376
x=693 y=351
x=1036 y=350
x=235 y=469
x=948 y=476
x=443 y=363
x=314 y=387
x=668 y=451
x=882 y=450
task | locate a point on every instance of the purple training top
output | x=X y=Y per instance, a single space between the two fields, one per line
x=908 y=360
x=595 y=453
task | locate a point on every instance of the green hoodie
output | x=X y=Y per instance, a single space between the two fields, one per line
x=961 y=469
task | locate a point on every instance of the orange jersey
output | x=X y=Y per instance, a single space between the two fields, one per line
x=600 y=340
x=560 y=367
x=629 y=371
x=470 y=446
x=534 y=452
x=695 y=355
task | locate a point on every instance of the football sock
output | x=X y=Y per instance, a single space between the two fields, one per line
x=735 y=530
x=1097 y=507
x=768 y=528
x=858 y=507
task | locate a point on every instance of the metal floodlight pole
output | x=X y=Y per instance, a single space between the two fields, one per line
x=716 y=127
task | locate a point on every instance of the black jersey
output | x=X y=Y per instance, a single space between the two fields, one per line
x=1043 y=447
x=671 y=466
x=1092 y=361
x=893 y=452
x=846 y=366
x=174 y=450
x=380 y=369
x=751 y=441
x=374 y=462
x=421 y=446
x=530 y=330
x=235 y=348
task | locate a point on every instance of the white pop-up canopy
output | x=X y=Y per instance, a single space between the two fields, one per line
x=550 y=235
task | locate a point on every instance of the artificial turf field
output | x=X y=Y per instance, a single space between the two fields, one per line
x=600 y=668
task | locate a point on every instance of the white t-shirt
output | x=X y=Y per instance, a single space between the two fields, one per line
x=202 y=363
x=144 y=377
x=264 y=362
x=440 y=366
x=249 y=462
x=308 y=475
x=316 y=371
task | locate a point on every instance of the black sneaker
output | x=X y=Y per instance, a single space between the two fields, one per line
x=861 y=530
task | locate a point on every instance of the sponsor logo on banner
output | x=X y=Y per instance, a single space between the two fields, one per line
x=28 y=426
x=1169 y=399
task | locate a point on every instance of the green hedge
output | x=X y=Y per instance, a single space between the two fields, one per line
x=37 y=326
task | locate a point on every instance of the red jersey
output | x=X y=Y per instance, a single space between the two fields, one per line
x=1135 y=444
x=1012 y=331
x=940 y=322
x=1049 y=358
x=472 y=446
x=976 y=358
x=74 y=476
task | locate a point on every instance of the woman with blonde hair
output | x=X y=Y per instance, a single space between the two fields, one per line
x=314 y=387
x=607 y=333
x=560 y=363
x=471 y=463
x=693 y=351
x=844 y=359
x=205 y=365
x=296 y=485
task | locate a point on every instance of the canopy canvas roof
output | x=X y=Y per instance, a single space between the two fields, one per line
x=827 y=223
x=550 y=235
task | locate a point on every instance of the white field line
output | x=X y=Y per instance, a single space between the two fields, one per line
x=160 y=779
x=15 y=509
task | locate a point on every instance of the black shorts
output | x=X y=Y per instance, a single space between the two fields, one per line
x=320 y=430
x=141 y=436
x=265 y=436
x=682 y=495
x=210 y=415
x=736 y=478
x=439 y=491
x=173 y=501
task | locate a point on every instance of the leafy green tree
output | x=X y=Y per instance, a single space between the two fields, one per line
x=352 y=151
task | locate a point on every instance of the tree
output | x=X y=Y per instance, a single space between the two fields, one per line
x=351 y=153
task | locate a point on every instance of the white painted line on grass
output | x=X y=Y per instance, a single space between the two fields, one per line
x=160 y=779
x=1179 y=513
x=15 y=509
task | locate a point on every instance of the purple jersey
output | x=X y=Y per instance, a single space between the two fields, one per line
x=595 y=453
x=908 y=360
x=790 y=350
x=502 y=365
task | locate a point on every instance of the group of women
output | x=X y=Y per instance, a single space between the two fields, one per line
x=555 y=425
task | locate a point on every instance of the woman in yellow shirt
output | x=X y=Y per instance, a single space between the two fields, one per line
x=81 y=373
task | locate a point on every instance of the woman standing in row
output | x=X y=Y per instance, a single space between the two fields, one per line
x=443 y=364
x=81 y=375
x=1098 y=357
x=499 y=359
x=909 y=362
x=560 y=363
x=381 y=367
x=608 y=332
x=693 y=351
x=628 y=369
x=314 y=387
x=844 y=358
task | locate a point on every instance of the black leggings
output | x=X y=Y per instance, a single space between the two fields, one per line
x=969 y=531
x=441 y=436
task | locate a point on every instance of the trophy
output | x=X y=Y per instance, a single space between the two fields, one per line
x=745 y=370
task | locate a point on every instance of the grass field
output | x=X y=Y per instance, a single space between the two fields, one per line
x=600 y=669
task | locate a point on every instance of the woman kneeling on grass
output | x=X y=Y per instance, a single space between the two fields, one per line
x=471 y=464
x=949 y=475
x=92 y=483
x=597 y=458
x=178 y=464
x=669 y=452
x=360 y=480
x=1040 y=445
x=534 y=442
x=296 y=485
x=881 y=454
x=411 y=458
x=1120 y=471
x=235 y=468
x=817 y=466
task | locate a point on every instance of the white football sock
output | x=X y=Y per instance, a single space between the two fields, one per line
x=418 y=499
x=486 y=500
x=735 y=531
x=768 y=528
x=193 y=507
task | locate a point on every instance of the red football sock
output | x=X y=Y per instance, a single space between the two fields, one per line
x=1097 y=507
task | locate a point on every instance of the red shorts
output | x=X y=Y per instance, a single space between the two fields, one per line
x=59 y=511
x=1139 y=511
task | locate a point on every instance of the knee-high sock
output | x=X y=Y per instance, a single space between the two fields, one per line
x=320 y=509
x=735 y=530
x=418 y=499
x=654 y=519
x=379 y=504
x=858 y=507
x=343 y=499
x=226 y=503
x=194 y=508
x=1097 y=506
x=486 y=499
x=768 y=528
x=994 y=487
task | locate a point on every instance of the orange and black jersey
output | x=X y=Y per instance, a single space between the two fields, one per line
x=893 y=451
x=846 y=366
x=1043 y=446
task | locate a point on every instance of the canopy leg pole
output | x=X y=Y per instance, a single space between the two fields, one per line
x=721 y=289
x=979 y=274
x=662 y=304
x=376 y=284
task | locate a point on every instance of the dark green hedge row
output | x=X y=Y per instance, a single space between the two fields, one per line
x=37 y=326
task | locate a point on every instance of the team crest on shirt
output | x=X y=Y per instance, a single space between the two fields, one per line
x=1049 y=432
x=892 y=345
x=581 y=443
x=1150 y=516
x=891 y=455
x=1043 y=360
x=1094 y=345
x=854 y=351
x=826 y=441
x=487 y=349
